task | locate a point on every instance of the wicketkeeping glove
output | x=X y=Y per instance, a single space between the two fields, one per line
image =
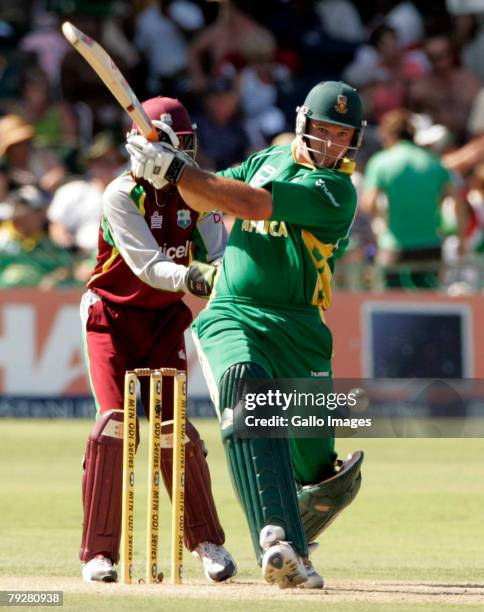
x=200 y=278
x=158 y=163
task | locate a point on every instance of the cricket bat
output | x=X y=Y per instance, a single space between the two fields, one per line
x=111 y=76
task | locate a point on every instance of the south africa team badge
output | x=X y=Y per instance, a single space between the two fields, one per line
x=342 y=105
x=184 y=218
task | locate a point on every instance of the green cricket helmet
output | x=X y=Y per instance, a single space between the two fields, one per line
x=333 y=102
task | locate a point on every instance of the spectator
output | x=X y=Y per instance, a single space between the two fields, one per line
x=414 y=182
x=299 y=29
x=469 y=35
x=81 y=84
x=435 y=137
x=341 y=20
x=161 y=42
x=385 y=71
x=220 y=43
x=187 y=15
x=75 y=210
x=12 y=64
x=465 y=275
x=54 y=123
x=407 y=21
x=222 y=138
x=356 y=253
x=474 y=234
x=27 y=255
x=464 y=159
x=46 y=41
x=260 y=82
x=475 y=122
x=21 y=163
x=119 y=43
x=312 y=53
x=447 y=92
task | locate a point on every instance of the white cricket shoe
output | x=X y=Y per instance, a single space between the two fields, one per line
x=99 y=569
x=271 y=534
x=314 y=581
x=281 y=564
x=218 y=563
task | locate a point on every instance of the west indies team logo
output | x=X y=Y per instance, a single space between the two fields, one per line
x=342 y=105
x=184 y=218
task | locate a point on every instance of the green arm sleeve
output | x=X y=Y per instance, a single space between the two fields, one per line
x=327 y=205
x=236 y=172
x=245 y=170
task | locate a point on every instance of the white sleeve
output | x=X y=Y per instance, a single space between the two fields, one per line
x=214 y=236
x=136 y=243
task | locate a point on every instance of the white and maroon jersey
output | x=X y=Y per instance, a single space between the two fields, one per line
x=146 y=240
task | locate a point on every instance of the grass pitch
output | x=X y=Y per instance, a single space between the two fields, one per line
x=413 y=538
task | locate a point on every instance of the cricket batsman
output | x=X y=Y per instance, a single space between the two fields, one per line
x=294 y=205
x=153 y=247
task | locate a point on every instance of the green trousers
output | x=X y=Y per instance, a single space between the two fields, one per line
x=287 y=342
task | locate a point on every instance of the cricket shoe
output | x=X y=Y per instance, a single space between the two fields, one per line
x=99 y=569
x=218 y=563
x=281 y=564
x=314 y=581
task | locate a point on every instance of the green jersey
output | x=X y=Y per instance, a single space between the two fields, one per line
x=414 y=181
x=288 y=259
x=274 y=282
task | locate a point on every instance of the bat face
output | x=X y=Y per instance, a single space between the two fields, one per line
x=109 y=73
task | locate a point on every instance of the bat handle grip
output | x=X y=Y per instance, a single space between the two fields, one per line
x=153 y=135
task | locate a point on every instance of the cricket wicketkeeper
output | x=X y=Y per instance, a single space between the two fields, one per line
x=294 y=205
x=153 y=247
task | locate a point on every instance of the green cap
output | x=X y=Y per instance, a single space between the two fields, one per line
x=334 y=102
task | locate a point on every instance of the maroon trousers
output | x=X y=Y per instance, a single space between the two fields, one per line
x=120 y=338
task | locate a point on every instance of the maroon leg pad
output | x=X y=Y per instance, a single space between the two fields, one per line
x=201 y=519
x=101 y=488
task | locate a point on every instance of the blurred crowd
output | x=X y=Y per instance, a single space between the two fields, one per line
x=241 y=67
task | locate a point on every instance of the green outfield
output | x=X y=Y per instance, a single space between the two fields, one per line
x=413 y=538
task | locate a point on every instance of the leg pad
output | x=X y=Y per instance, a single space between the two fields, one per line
x=261 y=469
x=201 y=518
x=101 y=488
x=321 y=503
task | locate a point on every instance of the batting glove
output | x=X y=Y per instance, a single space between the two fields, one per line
x=159 y=163
x=165 y=132
x=200 y=278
